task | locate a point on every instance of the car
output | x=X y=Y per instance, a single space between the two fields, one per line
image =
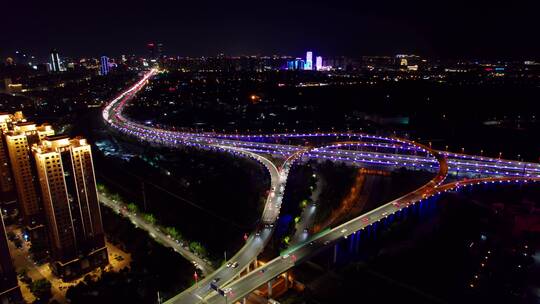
x=227 y=290
x=258 y=233
x=229 y=264
x=305 y=230
x=343 y=230
x=234 y=265
x=213 y=284
x=285 y=256
x=327 y=242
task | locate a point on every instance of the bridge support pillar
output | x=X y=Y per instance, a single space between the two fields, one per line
x=335 y=253
x=244 y=301
x=269 y=284
x=357 y=242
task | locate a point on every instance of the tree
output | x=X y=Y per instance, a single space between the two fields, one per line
x=173 y=232
x=197 y=248
x=115 y=197
x=132 y=208
x=149 y=218
x=41 y=289
x=101 y=188
x=23 y=275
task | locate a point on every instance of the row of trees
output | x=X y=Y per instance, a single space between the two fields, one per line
x=172 y=232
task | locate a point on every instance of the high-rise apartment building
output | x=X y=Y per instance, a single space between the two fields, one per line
x=55 y=61
x=66 y=176
x=6 y=180
x=19 y=141
x=318 y=63
x=309 y=61
x=104 y=65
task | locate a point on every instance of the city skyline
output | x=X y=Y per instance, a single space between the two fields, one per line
x=203 y=29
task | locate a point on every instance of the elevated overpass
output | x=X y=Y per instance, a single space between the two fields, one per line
x=355 y=148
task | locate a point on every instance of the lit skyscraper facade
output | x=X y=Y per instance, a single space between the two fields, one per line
x=6 y=180
x=104 y=65
x=318 y=63
x=19 y=141
x=66 y=176
x=55 y=61
x=309 y=61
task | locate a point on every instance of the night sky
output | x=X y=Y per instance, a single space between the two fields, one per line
x=446 y=29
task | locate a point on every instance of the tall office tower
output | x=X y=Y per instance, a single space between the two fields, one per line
x=66 y=176
x=9 y=289
x=104 y=65
x=299 y=64
x=55 y=61
x=159 y=50
x=152 y=50
x=318 y=63
x=309 y=61
x=6 y=180
x=19 y=142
